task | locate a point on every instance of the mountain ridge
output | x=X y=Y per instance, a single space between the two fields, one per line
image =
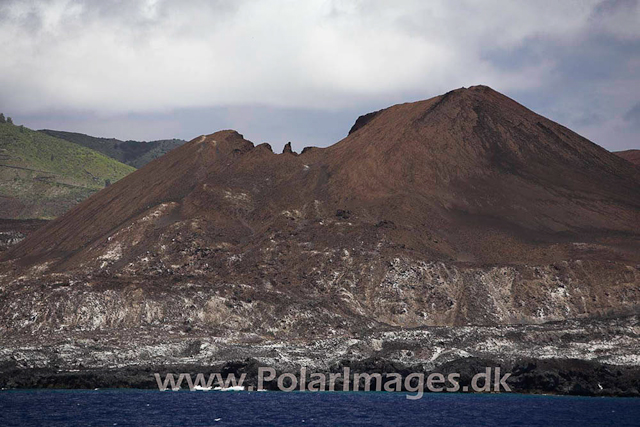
x=133 y=153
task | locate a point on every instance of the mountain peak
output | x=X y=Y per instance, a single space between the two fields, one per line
x=229 y=135
x=225 y=142
x=461 y=97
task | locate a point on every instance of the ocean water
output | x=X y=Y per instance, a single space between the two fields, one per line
x=150 y=407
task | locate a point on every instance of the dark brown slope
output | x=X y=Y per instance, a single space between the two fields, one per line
x=631 y=155
x=486 y=176
x=195 y=181
x=470 y=175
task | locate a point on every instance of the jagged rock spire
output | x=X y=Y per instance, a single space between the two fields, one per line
x=287 y=148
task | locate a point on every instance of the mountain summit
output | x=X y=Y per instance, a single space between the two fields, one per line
x=464 y=208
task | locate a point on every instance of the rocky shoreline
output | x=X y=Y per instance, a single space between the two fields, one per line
x=588 y=357
x=528 y=376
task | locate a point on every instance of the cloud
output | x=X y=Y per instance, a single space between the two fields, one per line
x=633 y=115
x=155 y=57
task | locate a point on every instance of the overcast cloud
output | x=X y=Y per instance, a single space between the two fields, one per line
x=304 y=70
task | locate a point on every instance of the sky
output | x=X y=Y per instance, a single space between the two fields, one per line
x=303 y=71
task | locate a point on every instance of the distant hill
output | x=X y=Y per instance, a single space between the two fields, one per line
x=133 y=153
x=43 y=177
x=631 y=155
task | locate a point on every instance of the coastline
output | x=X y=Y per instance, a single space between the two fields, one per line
x=556 y=377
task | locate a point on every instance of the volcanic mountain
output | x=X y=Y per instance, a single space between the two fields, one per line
x=454 y=233
x=464 y=208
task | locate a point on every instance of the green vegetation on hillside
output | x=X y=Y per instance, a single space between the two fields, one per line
x=133 y=153
x=42 y=176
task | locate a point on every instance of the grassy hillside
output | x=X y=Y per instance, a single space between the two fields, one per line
x=133 y=153
x=42 y=176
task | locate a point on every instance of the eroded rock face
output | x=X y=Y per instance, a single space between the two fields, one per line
x=362 y=121
x=357 y=294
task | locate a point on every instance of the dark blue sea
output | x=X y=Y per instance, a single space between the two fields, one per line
x=149 y=407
